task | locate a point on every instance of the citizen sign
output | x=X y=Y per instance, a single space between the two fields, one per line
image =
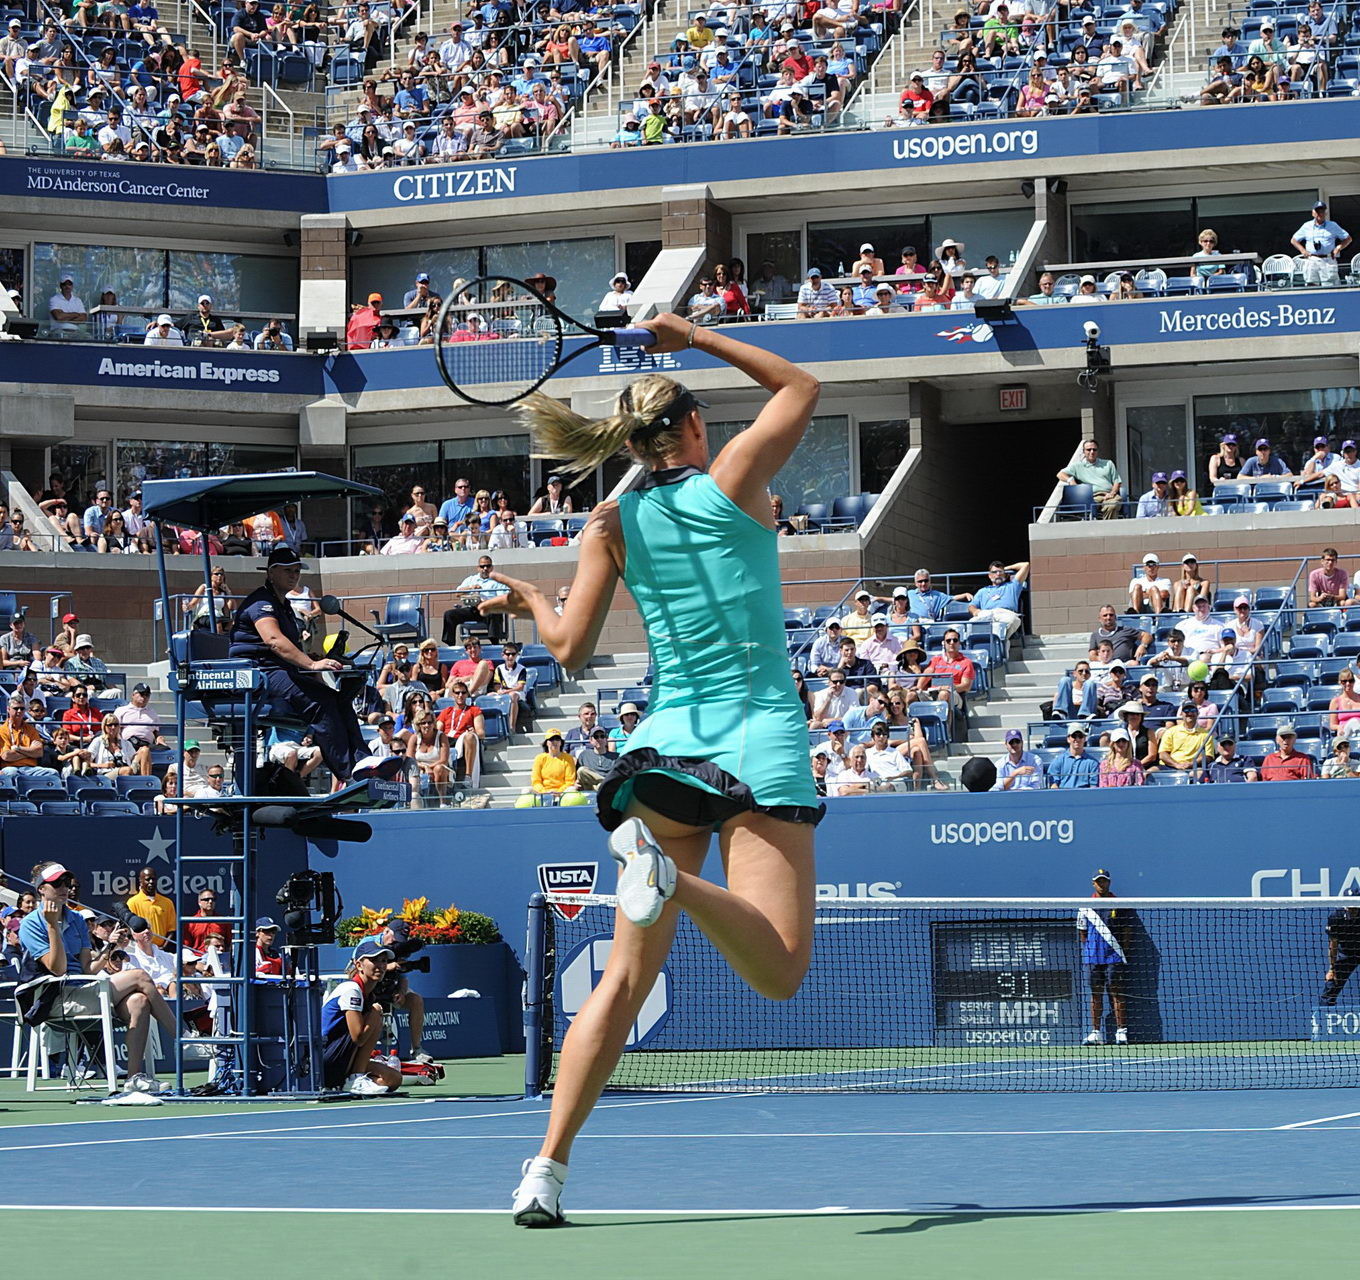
x=1284 y=315
x=454 y=184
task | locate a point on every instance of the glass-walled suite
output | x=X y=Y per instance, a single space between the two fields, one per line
x=140 y=460
x=582 y=269
x=488 y=462
x=820 y=468
x=171 y=279
x=1260 y=223
x=834 y=246
x=881 y=446
x=1183 y=430
x=79 y=470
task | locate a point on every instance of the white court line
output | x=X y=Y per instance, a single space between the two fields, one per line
x=1303 y=1124
x=358 y=1124
x=851 y=1134
x=825 y=1211
x=224 y=1109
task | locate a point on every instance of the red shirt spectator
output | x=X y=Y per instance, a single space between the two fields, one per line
x=456 y=721
x=196 y=931
x=79 y=720
x=954 y=663
x=917 y=99
x=359 y=332
x=799 y=63
x=1285 y=764
x=190 y=76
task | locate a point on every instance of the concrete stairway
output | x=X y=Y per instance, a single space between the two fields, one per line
x=1013 y=703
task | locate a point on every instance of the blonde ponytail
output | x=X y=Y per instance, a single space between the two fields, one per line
x=580 y=445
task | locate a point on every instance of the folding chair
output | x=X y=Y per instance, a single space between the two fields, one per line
x=78 y=1057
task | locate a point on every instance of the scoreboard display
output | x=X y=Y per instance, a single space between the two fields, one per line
x=1008 y=982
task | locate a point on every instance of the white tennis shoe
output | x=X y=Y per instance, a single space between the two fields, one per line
x=364 y=1086
x=538 y=1193
x=1095 y=1037
x=1121 y=1035
x=646 y=875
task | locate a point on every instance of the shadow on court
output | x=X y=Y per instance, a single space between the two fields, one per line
x=971 y=1215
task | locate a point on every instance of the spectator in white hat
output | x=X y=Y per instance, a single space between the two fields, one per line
x=1150 y=592
x=620 y=295
x=163 y=333
x=1087 y=292
x=868 y=258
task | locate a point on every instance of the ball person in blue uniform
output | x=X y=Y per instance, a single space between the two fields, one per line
x=1343 y=947
x=1104 y=952
x=265 y=630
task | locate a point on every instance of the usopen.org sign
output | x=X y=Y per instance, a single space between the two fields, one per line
x=1279 y=317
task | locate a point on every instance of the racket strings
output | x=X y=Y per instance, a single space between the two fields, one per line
x=497 y=342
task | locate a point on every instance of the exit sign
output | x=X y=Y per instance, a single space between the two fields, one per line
x=1014 y=398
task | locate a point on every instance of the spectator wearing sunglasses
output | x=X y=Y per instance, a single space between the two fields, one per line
x=96 y=514
x=832 y=704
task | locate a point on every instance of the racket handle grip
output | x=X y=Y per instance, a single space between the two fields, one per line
x=634 y=338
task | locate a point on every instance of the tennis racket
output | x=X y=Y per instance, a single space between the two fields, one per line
x=498 y=339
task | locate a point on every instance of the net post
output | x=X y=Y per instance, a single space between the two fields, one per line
x=535 y=955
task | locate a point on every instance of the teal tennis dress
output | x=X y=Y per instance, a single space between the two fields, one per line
x=723 y=716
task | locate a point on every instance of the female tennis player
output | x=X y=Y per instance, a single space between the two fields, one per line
x=724 y=746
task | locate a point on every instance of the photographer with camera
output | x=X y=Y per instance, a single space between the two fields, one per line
x=394 y=991
x=351 y=1022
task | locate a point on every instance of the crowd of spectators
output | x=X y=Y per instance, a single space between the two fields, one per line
x=1274 y=66
x=502 y=79
x=1158 y=692
x=1032 y=58
x=70 y=316
x=470 y=520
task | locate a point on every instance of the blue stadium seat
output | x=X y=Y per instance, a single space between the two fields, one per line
x=934 y=718
x=1319 y=697
x=86 y=789
x=849 y=509
x=21 y=808
x=1272 y=491
x=1169 y=778
x=1263 y=727
x=1285 y=701
x=1315 y=644
x=61 y=808
x=40 y=790
x=1320 y=620
x=115 y=809
x=137 y=788
x=1078 y=502
x=1291 y=673
x=1346 y=645
x=404 y=619
x=1268 y=599
x=797 y=617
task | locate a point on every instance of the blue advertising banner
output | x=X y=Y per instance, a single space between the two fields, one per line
x=1057 y=139
x=1318 y=123
x=160 y=368
x=190 y=187
x=941 y=335
x=1268 y=840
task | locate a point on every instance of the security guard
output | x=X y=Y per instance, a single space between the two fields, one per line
x=265 y=630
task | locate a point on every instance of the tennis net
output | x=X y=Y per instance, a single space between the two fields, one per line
x=979 y=994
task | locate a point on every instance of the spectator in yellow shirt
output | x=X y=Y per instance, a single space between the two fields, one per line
x=155 y=908
x=554 y=769
x=700 y=34
x=1184 y=745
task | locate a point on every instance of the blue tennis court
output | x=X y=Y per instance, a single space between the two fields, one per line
x=747 y=1153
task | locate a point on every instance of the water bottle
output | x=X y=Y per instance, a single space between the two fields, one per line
x=840 y=268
